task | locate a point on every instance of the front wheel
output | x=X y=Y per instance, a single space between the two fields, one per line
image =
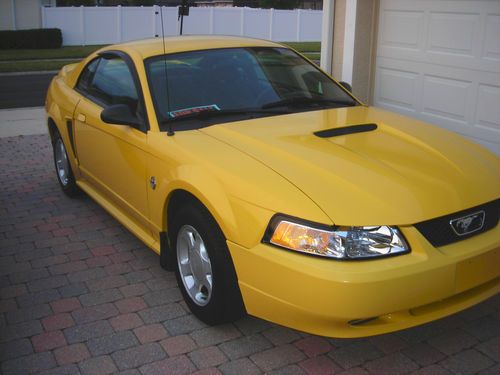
x=203 y=266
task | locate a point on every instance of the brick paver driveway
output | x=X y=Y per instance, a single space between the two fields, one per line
x=79 y=294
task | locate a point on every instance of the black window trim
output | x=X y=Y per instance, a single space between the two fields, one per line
x=135 y=76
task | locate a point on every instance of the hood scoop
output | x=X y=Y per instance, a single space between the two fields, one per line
x=351 y=129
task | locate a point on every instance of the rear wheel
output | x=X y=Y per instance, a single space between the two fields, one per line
x=63 y=167
x=203 y=266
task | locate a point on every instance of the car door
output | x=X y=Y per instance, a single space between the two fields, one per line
x=112 y=158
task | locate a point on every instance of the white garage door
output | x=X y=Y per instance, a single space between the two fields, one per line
x=439 y=61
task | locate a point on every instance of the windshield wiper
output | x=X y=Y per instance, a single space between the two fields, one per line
x=305 y=100
x=224 y=112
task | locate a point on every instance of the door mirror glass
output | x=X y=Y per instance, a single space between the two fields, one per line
x=120 y=114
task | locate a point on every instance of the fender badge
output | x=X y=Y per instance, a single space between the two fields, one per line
x=152 y=182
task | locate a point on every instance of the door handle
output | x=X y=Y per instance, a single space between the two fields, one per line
x=81 y=117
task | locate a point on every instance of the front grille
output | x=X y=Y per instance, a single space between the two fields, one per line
x=439 y=231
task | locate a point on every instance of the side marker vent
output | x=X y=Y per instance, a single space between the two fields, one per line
x=351 y=129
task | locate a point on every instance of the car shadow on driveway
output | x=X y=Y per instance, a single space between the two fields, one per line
x=80 y=294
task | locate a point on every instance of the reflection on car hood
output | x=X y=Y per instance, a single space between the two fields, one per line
x=403 y=172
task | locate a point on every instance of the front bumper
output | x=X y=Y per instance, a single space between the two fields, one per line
x=363 y=298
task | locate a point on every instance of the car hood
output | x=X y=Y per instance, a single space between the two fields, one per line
x=403 y=172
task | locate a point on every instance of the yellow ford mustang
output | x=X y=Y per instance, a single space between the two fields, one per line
x=271 y=190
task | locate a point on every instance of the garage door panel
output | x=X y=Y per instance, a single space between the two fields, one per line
x=487 y=115
x=402 y=29
x=397 y=88
x=453 y=33
x=492 y=39
x=439 y=61
x=446 y=97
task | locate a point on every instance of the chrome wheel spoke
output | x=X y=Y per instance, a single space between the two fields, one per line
x=194 y=265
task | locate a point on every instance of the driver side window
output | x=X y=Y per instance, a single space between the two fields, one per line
x=108 y=81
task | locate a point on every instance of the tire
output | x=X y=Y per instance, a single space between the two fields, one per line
x=64 y=172
x=216 y=299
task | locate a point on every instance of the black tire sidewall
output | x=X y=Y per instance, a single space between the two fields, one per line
x=70 y=189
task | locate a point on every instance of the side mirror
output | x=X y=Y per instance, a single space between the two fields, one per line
x=346 y=85
x=120 y=114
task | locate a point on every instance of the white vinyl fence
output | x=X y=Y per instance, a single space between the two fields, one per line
x=106 y=25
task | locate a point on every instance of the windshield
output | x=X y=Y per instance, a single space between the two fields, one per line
x=221 y=85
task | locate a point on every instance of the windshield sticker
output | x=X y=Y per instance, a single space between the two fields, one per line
x=188 y=111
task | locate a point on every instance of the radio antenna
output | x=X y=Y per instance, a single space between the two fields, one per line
x=170 y=131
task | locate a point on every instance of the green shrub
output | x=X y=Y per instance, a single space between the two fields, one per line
x=30 y=39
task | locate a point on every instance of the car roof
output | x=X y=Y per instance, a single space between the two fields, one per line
x=155 y=46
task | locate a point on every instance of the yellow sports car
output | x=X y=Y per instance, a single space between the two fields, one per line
x=273 y=191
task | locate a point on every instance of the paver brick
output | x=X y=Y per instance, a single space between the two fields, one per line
x=45 y=296
x=320 y=365
x=65 y=305
x=138 y=356
x=178 y=345
x=48 y=341
x=239 y=367
x=73 y=290
x=281 y=335
x=84 y=332
x=150 y=333
x=109 y=282
x=28 y=313
x=71 y=354
x=313 y=346
x=126 y=322
x=57 y=322
x=432 y=370
x=12 y=291
x=70 y=267
x=355 y=354
x=207 y=357
x=467 y=362
x=20 y=330
x=395 y=363
x=277 y=357
x=161 y=313
x=245 y=346
x=453 y=342
x=90 y=314
x=16 y=348
x=47 y=283
x=215 y=335
x=162 y=296
x=110 y=344
x=100 y=297
x=97 y=261
x=132 y=304
x=98 y=366
x=180 y=365
x=184 y=324
x=423 y=354
x=29 y=364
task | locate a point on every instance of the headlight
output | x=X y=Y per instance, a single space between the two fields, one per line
x=337 y=242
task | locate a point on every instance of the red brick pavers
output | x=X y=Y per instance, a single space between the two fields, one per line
x=80 y=294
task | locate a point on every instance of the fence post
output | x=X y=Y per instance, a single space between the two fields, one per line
x=211 y=21
x=271 y=17
x=299 y=11
x=43 y=16
x=82 y=25
x=119 y=22
x=242 y=21
x=155 y=19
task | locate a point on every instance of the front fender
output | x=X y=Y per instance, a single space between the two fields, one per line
x=241 y=193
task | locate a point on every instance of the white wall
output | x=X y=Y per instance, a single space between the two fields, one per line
x=105 y=25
